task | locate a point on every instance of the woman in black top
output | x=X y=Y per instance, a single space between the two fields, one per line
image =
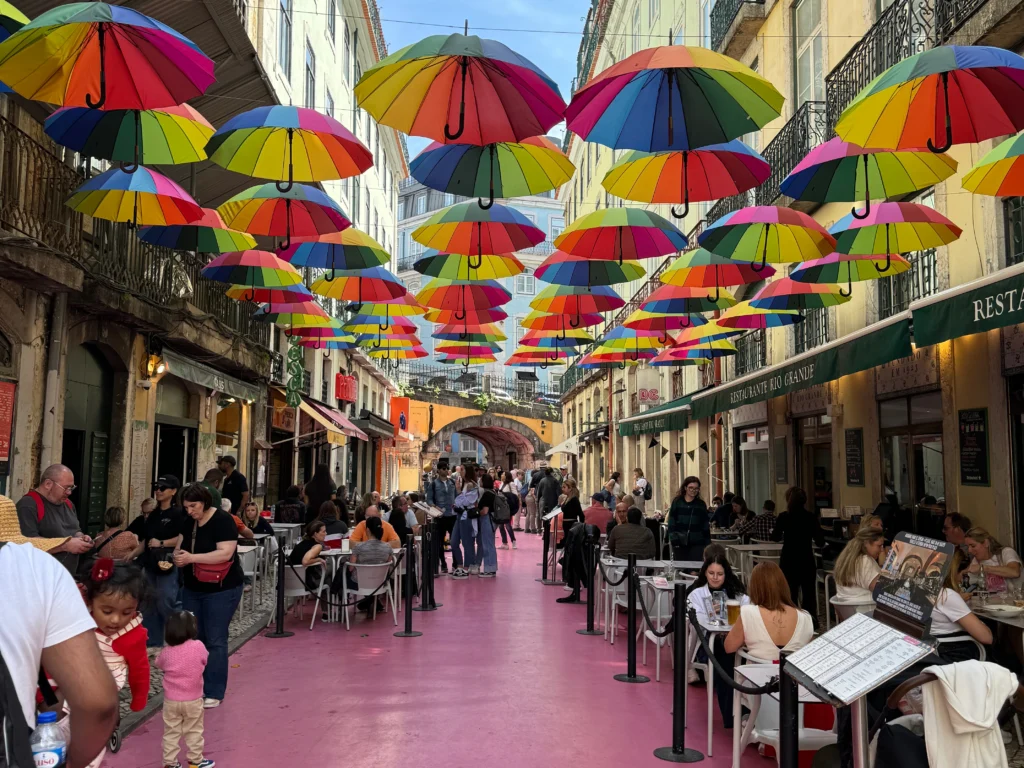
x=796 y=528
x=209 y=538
x=572 y=510
x=688 y=528
x=319 y=489
x=254 y=521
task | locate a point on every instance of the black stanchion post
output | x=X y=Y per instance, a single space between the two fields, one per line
x=279 y=626
x=544 y=579
x=409 y=558
x=789 y=722
x=593 y=549
x=428 y=555
x=678 y=753
x=631 y=676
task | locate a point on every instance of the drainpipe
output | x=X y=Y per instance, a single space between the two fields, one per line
x=60 y=307
x=611 y=430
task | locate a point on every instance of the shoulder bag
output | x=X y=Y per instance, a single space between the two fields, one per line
x=206 y=573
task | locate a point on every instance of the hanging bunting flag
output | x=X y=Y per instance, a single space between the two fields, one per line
x=704 y=447
x=679 y=457
x=664 y=452
x=690 y=455
x=654 y=442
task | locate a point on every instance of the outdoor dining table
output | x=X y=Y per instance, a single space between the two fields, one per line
x=291 y=532
x=746 y=550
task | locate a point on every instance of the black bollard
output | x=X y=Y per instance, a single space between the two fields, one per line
x=428 y=532
x=594 y=550
x=789 y=721
x=678 y=753
x=409 y=558
x=279 y=626
x=631 y=676
x=547 y=553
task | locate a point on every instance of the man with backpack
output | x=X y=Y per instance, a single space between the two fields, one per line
x=441 y=494
x=47 y=512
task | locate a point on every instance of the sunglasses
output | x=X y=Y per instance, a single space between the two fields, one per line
x=165 y=488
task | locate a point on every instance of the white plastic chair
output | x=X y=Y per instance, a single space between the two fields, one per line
x=660 y=607
x=295 y=588
x=370 y=578
x=692 y=644
x=248 y=558
x=845 y=609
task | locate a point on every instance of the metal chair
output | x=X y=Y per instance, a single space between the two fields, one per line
x=845 y=610
x=823 y=577
x=295 y=588
x=755 y=559
x=370 y=579
x=248 y=558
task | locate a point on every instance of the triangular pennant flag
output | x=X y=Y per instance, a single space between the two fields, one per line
x=679 y=457
x=704 y=447
x=690 y=454
x=654 y=442
x=664 y=452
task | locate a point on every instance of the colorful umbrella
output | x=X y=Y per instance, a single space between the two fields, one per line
x=142 y=198
x=399 y=354
x=340 y=342
x=701 y=334
x=288 y=144
x=621 y=233
x=629 y=339
x=767 y=233
x=544 y=321
x=702 y=269
x=454 y=266
x=620 y=356
x=519 y=361
x=786 y=293
x=591 y=361
x=447 y=316
x=468 y=229
x=538 y=356
x=252 y=269
x=471 y=348
x=576 y=301
x=466 y=360
x=403 y=306
x=348 y=249
x=530 y=167
x=462 y=296
x=948 y=95
x=379 y=341
x=840 y=172
x=566 y=269
x=206 y=235
x=167 y=136
x=745 y=317
x=642 y=320
x=846 y=268
x=11 y=20
x=488 y=92
x=1000 y=172
x=295 y=294
x=301 y=315
x=302 y=211
x=681 y=300
x=664 y=359
x=372 y=323
x=359 y=285
x=709 y=173
x=894 y=228
x=555 y=342
x=708 y=350
x=332 y=331
x=676 y=88
x=469 y=332
x=104 y=57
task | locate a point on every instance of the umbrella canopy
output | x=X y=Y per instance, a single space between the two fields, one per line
x=664 y=359
x=468 y=229
x=566 y=269
x=840 y=172
x=461 y=296
x=348 y=249
x=105 y=57
x=745 y=317
x=786 y=293
x=339 y=342
x=208 y=234
x=508 y=169
x=707 y=350
x=454 y=358
x=469 y=332
x=554 y=342
x=11 y=20
x=675 y=88
x=1000 y=172
x=544 y=321
x=642 y=320
x=332 y=331
x=846 y=268
x=380 y=341
x=253 y=269
x=399 y=354
x=935 y=99
x=292 y=295
x=703 y=269
x=359 y=285
x=374 y=323
x=592 y=361
x=302 y=211
x=166 y=136
x=622 y=338
x=614 y=355
x=893 y=228
x=538 y=355
x=769 y=234
x=708 y=173
x=471 y=348
x=140 y=198
x=461 y=88
x=519 y=361
x=446 y=316
x=288 y=144
x=680 y=300
x=302 y=315
x=701 y=334
x=402 y=306
x=576 y=301
x=621 y=234
x=454 y=266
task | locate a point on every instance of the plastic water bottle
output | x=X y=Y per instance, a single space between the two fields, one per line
x=49 y=749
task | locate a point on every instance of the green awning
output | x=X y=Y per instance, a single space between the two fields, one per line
x=879 y=344
x=995 y=301
x=668 y=417
x=208 y=377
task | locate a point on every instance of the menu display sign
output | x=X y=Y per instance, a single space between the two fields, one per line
x=911 y=579
x=7 y=390
x=973 y=428
x=855 y=457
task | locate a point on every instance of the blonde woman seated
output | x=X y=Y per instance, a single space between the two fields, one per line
x=772 y=622
x=1002 y=565
x=858 y=566
x=951 y=616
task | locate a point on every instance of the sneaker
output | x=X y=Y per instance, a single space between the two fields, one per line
x=173 y=765
x=503 y=546
x=211 y=703
x=514 y=545
x=204 y=763
x=488 y=575
x=474 y=569
x=460 y=573
x=569 y=599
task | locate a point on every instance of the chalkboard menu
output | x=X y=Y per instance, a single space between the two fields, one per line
x=855 y=457
x=781 y=461
x=973 y=425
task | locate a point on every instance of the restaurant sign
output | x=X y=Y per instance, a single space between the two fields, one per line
x=991 y=306
x=654 y=423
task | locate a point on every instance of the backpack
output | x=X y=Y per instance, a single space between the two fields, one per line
x=648 y=491
x=501 y=511
x=513 y=499
x=40 y=509
x=290 y=512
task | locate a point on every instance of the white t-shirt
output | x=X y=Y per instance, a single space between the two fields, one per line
x=410 y=518
x=999 y=583
x=949 y=609
x=40 y=607
x=867 y=571
x=697 y=601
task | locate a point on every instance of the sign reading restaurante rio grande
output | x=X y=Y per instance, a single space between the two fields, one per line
x=995 y=305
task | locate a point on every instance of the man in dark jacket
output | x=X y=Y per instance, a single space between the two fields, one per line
x=547 y=492
x=633 y=538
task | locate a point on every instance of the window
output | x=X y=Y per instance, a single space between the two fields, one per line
x=332 y=19
x=421 y=204
x=376 y=225
x=812 y=332
x=636 y=28
x=679 y=37
x=366 y=218
x=329 y=103
x=284 y=39
x=912 y=450
x=467 y=444
x=810 y=55
x=449 y=199
x=355 y=196
x=922 y=279
x=401 y=209
x=753 y=139
x=555 y=382
x=526 y=283
x=1013 y=210
x=347 y=68
x=705 y=23
x=310 y=76
x=355 y=108
x=750 y=353
x=653 y=10
x=556 y=226
x=520 y=332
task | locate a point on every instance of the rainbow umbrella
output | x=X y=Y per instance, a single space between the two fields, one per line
x=620 y=356
x=340 y=342
x=720 y=170
x=469 y=332
x=348 y=249
x=1000 y=172
x=642 y=320
x=448 y=316
x=566 y=269
x=141 y=198
x=621 y=234
x=402 y=306
x=103 y=56
x=540 y=357
x=380 y=341
x=288 y=144
x=577 y=301
x=545 y=321
x=707 y=350
x=701 y=334
x=893 y=228
x=292 y=295
x=399 y=354
x=471 y=348
x=468 y=229
x=703 y=269
x=622 y=338
x=359 y=285
x=554 y=342
x=454 y=266
x=846 y=268
x=682 y=300
x=676 y=88
x=372 y=324
x=461 y=87
x=518 y=361
x=663 y=359
x=205 y=235
x=253 y=269
x=948 y=95
x=745 y=317
x=769 y=234
x=589 y=361
x=303 y=211
x=300 y=315
x=465 y=360
x=333 y=330
x=462 y=296
x=11 y=20
x=787 y=293
x=840 y=172
x=506 y=169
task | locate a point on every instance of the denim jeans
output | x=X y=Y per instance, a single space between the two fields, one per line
x=165 y=601
x=213 y=612
x=463 y=535
x=488 y=553
x=445 y=525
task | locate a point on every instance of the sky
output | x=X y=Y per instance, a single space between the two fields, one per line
x=553 y=53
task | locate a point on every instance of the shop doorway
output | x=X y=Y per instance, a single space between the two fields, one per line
x=912 y=459
x=174 y=452
x=755 y=478
x=1015 y=385
x=814 y=446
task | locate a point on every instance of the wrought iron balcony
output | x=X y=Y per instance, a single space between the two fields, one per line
x=906 y=27
x=593 y=33
x=276 y=367
x=922 y=279
x=725 y=12
x=307 y=382
x=950 y=15
x=405 y=263
x=545 y=248
x=751 y=353
x=812 y=332
x=804 y=131
x=729 y=204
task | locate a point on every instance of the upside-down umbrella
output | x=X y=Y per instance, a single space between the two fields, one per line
x=372 y=323
x=300 y=315
x=462 y=296
x=577 y=301
x=288 y=144
x=252 y=269
x=840 y=172
x=545 y=321
x=787 y=293
x=141 y=198
x=769 y=234
x=468 y=229
x=449 y=316
x=697 y=175
x=507 y=169
x=565 y=269
x=621 y=234
x=894 y=228
x=947 y=95
x=302 y=211
x=103 y=56
x=469 y=332
x=291 y=295
x=348 y=249
x=846 y=268
x=207 y=234
x=703 y=269
x=372 y=284
x=1000 y=172
x=455 y=266
x=681 y=300
x=745 y=317
x=461 y=88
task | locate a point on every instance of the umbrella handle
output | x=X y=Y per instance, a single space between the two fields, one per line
x=718 y=288
x=490 y=199
x=448 y=133
x=544 y=365
x=949 y=126
x=327 y=354
x=287 y=186
x=764 y=253
x=683 y=215
x=867 y=196
x=98 y=104
x=478 y=264
x=621 y=366
x=387 y=321
x=687 y=324
x=685 y=182
x=288 y=223
x=577 y=323
x=888 y=262
x=663 y=339
x=458 y=317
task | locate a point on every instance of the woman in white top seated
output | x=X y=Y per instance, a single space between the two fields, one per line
x=772 y=622
x=951 y=616
x=857 y=566
x=1002 y=564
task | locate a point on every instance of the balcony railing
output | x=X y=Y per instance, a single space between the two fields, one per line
x=950 y=15
x=922 y=279
x=307 y=382
x=242 y=9
x=729 y=204
x=276 y=367
x=906 y=27
x=455 y=379
x=405 y=263
x=722 y=15
x=812 y=332
x=545 y=248
x=325 y=390
x=751 y=353
x=378 y=30
x=804 y=131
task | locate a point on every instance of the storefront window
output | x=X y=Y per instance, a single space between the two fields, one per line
x=754 y=465
x=912 y=450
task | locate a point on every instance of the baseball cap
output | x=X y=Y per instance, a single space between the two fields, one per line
x=167 y=481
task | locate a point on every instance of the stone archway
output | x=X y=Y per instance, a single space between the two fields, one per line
x=497 y=433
